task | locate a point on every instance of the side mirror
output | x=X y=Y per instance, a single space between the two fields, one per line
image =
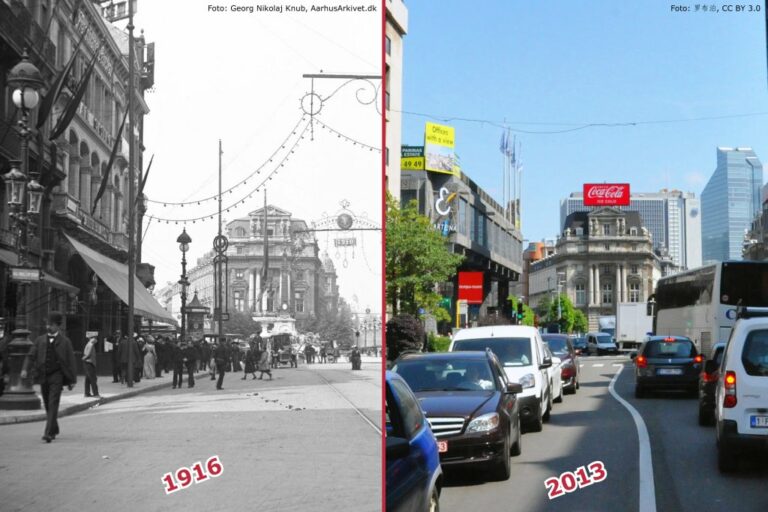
x=397 y=448
x=633 y=354
x=710 y=366
x=514 y=388
x=547 y=363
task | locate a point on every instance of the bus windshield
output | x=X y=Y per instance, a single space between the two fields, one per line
x=747 y=282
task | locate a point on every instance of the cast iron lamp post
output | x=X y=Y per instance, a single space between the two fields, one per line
x=25 y=81
x=184 y=240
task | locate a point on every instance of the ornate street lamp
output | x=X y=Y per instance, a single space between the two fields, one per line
x=184 y=240
x=25 y=80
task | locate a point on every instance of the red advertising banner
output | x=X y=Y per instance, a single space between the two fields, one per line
x=471 y=287
x=606 y=194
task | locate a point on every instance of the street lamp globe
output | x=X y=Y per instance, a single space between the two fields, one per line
x=14 y=184
x=35 y=196
x=184 y=240
x=25 y=80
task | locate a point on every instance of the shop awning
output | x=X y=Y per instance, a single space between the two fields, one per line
x=9 y=258
x=55 y=282
x=115 y=275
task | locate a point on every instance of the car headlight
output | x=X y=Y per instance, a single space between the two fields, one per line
x=527 y=381
x=484 y=423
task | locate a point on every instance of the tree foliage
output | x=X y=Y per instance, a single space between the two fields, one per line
x=404 y=333
x=416 y=259
x=528 y=314
x=241 y=323
x=336 y=325
x=581 y=324
x=567 y=313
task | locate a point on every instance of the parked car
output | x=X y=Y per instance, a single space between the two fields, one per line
x=563 y=347
x=555 y=375
x=600 y=343
x=707 y=384
x=741 y=396
x=520 y=350
x=470 y=405
x=414 y=475
x=580 y=345
x=667 y=362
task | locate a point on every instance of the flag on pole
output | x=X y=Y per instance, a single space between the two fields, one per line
x=55 y=91
x=71 y=109
x=112 y=156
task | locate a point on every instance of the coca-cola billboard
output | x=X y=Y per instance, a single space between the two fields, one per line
x=606 y=194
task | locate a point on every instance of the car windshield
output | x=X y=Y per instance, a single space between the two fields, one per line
x=558 y=346
x=603 y=338
x=677 y=348
x=446 y=374
x=579 y=342
x=510 y=351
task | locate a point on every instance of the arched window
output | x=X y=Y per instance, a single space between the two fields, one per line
x=581 y=293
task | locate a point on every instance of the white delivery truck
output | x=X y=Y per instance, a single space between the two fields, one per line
x=633 y=324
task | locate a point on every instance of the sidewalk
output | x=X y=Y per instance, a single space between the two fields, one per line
x=74 y=401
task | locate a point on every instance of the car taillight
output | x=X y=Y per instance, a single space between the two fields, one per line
x=641 y=361
x=709 y=377
x=698 y=359
x=567 y=372
x=729 y=399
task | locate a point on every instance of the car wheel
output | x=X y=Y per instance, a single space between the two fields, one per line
x=639 y=392
x=577 y=384
x=434 y=501
x=517 y=448
x=726 y=461
x=538 y=424
x=547 y=414
x=502 y=469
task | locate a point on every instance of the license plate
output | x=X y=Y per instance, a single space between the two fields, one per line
x=442 y=446
x=669 y=371
x=758 y=421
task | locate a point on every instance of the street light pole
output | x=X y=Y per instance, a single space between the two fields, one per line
x=184 y=240
x=25 y=81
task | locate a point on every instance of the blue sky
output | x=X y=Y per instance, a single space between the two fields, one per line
x=569 y=63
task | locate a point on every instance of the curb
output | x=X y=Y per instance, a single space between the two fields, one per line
x=73 y=409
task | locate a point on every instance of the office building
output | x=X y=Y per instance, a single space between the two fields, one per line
x=396 y=28
x=729 y=203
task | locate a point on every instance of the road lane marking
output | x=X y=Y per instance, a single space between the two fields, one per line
x=647 y=490
x=597 y=365
x=618 y=364
x=358 y=411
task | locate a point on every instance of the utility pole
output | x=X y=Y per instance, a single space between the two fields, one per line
x=131 y=196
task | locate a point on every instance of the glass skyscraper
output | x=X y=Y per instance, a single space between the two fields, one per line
x=729 y=203
x=671 y=217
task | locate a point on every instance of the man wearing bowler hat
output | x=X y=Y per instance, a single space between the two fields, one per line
x=53 y=364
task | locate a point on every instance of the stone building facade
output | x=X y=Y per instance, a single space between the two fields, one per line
x=604 y=257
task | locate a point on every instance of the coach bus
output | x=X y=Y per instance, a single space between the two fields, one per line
x=701 y=303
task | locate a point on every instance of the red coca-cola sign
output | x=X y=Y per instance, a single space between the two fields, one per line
x=606 y=194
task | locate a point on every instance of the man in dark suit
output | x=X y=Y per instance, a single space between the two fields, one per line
x=190 y=360
x=53 y=363
x=221 y=356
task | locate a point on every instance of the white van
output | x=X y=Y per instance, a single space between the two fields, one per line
x=520 y=350
x=741 y=396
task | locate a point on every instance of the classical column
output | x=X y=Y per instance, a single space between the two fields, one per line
x=257 y=291
x=624 y=284
x=591 y=293
x=617 y=295
x=251 y=285
x=598 y=292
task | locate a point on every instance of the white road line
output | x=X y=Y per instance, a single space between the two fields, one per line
x=597 y=365
x=618 y=364
x=647 y=489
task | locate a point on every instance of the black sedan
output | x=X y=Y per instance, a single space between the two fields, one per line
x=562 y=347
x=667 y=362
x=708 y=384
x=470 y=405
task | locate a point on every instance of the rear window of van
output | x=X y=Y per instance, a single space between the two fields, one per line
x=510 y=351
x=754 y=357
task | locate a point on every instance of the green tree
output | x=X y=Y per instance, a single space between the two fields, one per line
x=581 y=324
x=416 y=259
x=241 y=323
x=567 y=313
x=542 y=309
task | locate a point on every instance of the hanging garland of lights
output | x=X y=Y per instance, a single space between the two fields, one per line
x=240 y=201
x=244 y=181
x=346 y=138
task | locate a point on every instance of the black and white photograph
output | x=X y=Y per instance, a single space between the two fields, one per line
x=191 y=303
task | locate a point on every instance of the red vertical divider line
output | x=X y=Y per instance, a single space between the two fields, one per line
x=383 y=257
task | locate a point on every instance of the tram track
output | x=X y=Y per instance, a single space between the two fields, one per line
x=359 y=410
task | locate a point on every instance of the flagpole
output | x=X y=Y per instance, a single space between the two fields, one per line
x=131 y=197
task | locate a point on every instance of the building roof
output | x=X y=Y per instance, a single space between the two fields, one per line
x=581 y=219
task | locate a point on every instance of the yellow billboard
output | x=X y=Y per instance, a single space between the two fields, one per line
x=439 y=144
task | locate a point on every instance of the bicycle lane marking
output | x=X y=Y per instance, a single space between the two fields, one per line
x=647 y=489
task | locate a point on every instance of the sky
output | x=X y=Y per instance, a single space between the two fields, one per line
x=692 y=81
x=237 y=76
